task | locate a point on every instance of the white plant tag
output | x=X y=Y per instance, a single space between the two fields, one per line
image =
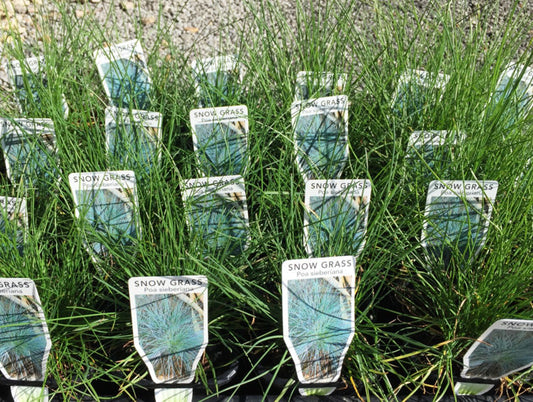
x=336 y=216
x=504 y=348
x=169 y=319
x=13 y=225
x=217 y=212
x=220 y=139
x=29 y=80
x=173 y=394
x=417 y=91
x=30 y=152
x=318 y=316
x=471 y=388
x=456 y=219
x=24 y=338
x=133 y=138
x=431 y=150
x=107 y=207
x=321 y=136
x=125 y=76
x=312 y=84
x=217 y=80
x=513 y=93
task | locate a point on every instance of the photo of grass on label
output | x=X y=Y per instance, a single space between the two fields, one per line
x=128 y=83
x=221 y=147
x=30 y=152
x=220 y=219
x=13 y=226
x=470 y=388
x=320 y=325
x=109 y=220
x=132 y=142
x=513 y=95
x=431 y=151
x=23 y=340
x=455 y=226
x=417 y=91
x=427 y=157
x=28 y=86
x=499 y=353
x=321 y=144
x=217 y=87
x=29 y=80
x=134 y=146
x=171 y=333
x=336 y=225
x=217 y=81
x=312 y=84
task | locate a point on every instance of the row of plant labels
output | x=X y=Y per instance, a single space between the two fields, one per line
x=127 y=83
x=456 y=217
x=336 y=210
x=170 y=331
x=220 y=131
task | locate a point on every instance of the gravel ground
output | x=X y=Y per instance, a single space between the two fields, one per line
x=204 y=26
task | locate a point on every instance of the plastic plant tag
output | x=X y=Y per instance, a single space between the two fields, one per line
x=418 y=91
x=30 y=152
x=336 y=216
x=13 y=225
x=311 y=84
x=169 y=319
x=133 y=138
x=318 y=317
x=24 y=339
x=456 y=219
x=504 y=348
x=217 y=80
x=220 y=138
x=106 y=204
x=125 y=76
x=28 y=78
x=321 y=136
x=430 y=150
x=471 y=388
x=513 y=93
x=217 y=213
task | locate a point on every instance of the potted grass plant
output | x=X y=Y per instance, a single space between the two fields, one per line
x=413 y=325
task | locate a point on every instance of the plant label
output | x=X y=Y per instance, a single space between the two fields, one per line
x=513 y=95
x=217 y=80
x=321 y=136
x=30 y=152
x=13 y=225
x=24 y=339
x=312 y=84
x=106 y=206
x=418 y=91
x=220 y=139
x=217 y=213
x=431 y=150
x=456 y=219
x=133 y=138
x=318 y=316
x=125 y=76
x=336 y=216
x=169 y=319
x=471 y=388
x=28 y=77
x=504 y=348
